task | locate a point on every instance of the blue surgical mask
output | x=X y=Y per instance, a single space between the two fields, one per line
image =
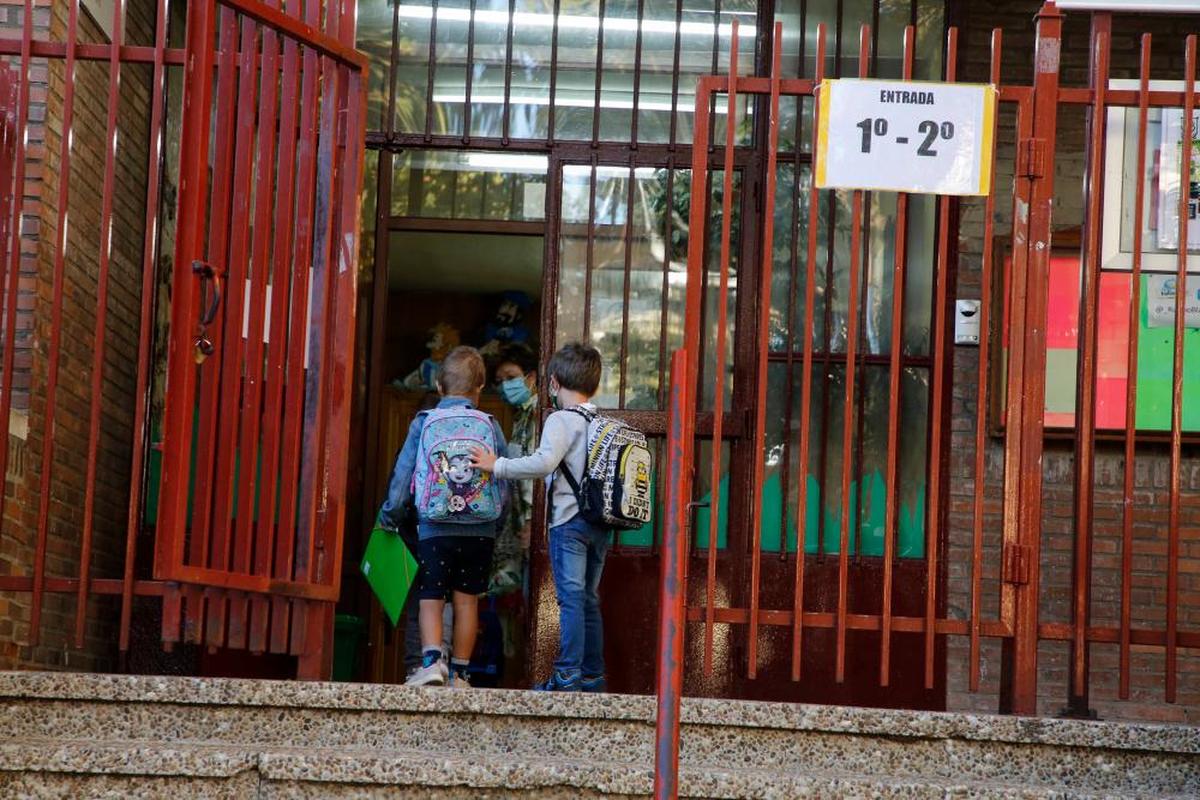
x=515 y=391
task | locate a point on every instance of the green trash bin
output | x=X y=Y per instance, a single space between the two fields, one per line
x=349 y=632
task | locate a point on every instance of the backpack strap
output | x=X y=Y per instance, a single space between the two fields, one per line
x=562 y=467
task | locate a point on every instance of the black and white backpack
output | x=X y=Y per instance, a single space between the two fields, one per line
x=615 y=489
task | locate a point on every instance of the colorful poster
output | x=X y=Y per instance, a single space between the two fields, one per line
x=1155 y=349
x=1170 y=159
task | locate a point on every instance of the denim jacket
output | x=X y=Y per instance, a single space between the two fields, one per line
x=391 y=514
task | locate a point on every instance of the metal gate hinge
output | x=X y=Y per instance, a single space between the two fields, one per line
x=1031 y=158
x=1016 y=564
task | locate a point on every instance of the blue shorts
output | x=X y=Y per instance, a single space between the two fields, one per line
x=454 y=564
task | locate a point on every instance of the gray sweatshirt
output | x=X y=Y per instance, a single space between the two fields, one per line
x=564 y=438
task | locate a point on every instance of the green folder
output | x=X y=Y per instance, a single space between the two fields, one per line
x=390 y=569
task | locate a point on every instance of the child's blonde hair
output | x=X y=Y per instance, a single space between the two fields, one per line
x=462 y=372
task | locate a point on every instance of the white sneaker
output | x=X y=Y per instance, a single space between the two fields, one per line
x=433 y=675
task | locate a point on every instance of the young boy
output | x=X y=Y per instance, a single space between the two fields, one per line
x=577 y=548
x=456 y=528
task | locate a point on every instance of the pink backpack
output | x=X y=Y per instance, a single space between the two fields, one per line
x=445 y=485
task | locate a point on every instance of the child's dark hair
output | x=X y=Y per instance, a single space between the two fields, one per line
x=577 y=367
x=517 y=353
x=462 y=371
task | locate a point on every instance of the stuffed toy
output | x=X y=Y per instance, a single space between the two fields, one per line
x=443 y=338
x=507 y=325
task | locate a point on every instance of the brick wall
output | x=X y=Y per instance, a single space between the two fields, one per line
x=1016 y=18
x=80 y=287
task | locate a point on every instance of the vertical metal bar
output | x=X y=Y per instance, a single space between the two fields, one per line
x=810 y=293
x=394 y=58
x=56 y=312
x=599 y=73
x=674 y=123
x=311 y=553
x=253 y=529
x=353 y=157
x=508 y=52
x=1027 y=379
x=697 y=218
x=277 y=350
x=789 y=394
x=228 y=469
x=21 y=148
x=181 y=369
x=10 y=195
x=673 y=583
x=98 y=335
x=623 y=371
x=764 y=331
x=895 y=372
x=719 y=363
x=553 y=73
x=665 y=288
x=181 y=373
x=936 y=438
x=981 y=407
x=309 y=640
x=470 y=72
x=1131 y=370
x=637 y=77
x=146 y=329
x=1185 y=171
x=433 y=15
x=285 y=555
x=591 y=244
x=1085 y=383
x=852 y=321
x=210 y=387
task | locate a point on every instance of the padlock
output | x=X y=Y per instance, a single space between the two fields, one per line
x=204 y=349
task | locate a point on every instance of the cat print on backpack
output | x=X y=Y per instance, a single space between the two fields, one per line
x=447 y=487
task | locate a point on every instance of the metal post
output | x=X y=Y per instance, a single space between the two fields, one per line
x=673 y=585
x=1034 y=189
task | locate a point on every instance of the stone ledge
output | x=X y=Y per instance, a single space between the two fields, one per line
x=368 y=768
x=1162 y=738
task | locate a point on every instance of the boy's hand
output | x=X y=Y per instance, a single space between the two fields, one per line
x=483 y=459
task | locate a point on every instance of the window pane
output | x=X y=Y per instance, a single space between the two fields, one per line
x=412 y=65
x=488 y=67
x=529 y=101
x=931 y=38
x=659 y=36
x=469 y=185
x=608 y=276
x=712 y=284
x=450 y=69
x=572 y=252
x=375 y=40
x=575 y=81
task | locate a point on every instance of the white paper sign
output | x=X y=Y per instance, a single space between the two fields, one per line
x=905 y=136
x=1160 y=301
x=1170 y=160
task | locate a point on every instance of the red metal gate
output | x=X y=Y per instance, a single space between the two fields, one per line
x=262 y=319
x=266 y=153
x=1005 y=580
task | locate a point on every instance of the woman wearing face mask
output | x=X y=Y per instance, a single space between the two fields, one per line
x=515 y=376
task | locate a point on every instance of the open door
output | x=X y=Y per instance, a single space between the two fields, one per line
x=257 y=414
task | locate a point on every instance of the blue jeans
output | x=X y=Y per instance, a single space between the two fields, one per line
x=577 y=551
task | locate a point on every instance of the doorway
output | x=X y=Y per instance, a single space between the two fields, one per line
x=464 y=251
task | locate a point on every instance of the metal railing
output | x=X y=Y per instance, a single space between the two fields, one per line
x=1001 y=597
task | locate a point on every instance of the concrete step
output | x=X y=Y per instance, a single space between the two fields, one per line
x=57 y=768
x=299 y=735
